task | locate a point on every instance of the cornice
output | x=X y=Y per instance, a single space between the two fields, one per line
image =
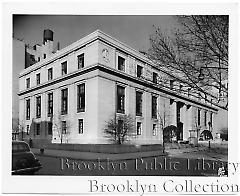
x=109 y=70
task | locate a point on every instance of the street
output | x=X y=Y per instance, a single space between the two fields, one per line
x=151 y=166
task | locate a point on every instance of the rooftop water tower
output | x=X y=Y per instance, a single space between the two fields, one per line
x=47 y=35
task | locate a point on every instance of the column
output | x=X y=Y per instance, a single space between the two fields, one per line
x=147 y=114
x=173 y=113
x=185 y=118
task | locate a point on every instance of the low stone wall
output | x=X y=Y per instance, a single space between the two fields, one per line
x=101 y=148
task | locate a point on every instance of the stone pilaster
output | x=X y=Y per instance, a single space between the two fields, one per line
x=173 y=113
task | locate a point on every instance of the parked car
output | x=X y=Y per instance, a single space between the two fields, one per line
x=23 y=160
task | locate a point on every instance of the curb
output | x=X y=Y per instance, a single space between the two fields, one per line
x=104 y=160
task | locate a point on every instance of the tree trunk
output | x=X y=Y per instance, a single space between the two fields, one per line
x=119 y=140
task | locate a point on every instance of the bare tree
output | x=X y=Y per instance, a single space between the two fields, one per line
x=195 y=54
x=61 y=126
x=118 y=128
x=163 y=116
x=197 y=127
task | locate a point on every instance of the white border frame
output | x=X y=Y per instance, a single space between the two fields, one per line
x=80 y=184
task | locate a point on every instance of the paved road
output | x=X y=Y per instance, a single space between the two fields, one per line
x=152 y=166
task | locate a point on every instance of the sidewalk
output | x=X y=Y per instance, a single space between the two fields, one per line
x=199 y=153
x=94 y=156
x=188 y=153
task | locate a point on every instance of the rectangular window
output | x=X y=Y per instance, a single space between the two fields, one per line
x=199 y=117
x=139 y=128
x=38 y=129
x=178 y=113
x=80 y=126
x=38 y=59
x=80 y=61
x=64 y=127
x=49 y=128
x=44 y=56
x=81 y=98
x=171 y=84
x=38 y=78
x=38 y=106
x=32 y=57
x=28 y=109
x=27 y=129
x=64 y=68
x=120 y=99
x=28 y=82
x=205 y=118
x=50 y=104
x=138 y=103
x=211 y=119
x=120 y=126
x=121 y=63
x=154 y=129
x=155 y=76
x=50 y=73
x=64 y=97
x=154 y=107
x=139 y=71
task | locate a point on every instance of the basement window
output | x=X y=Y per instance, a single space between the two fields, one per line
x=80 y=126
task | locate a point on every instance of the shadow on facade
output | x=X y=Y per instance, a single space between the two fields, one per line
x=39 y=133
x=40 y=137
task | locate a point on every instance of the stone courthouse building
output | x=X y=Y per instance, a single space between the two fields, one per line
x=69 y=95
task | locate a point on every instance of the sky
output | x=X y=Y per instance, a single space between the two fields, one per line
x=132 y=30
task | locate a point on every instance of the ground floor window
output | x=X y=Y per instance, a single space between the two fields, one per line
x=50 y=128
x=154 y=107
x=205 y=118
x=27 y=129
x=120 y=126
x=120 y=99
x=211 y=119
x=38 y=129
x=139 y=128
x=38 y=106
x=199 y=117
x=154 y=129
x=64 y=127
x=80 y=126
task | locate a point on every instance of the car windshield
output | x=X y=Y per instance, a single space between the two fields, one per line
x=20 y=147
